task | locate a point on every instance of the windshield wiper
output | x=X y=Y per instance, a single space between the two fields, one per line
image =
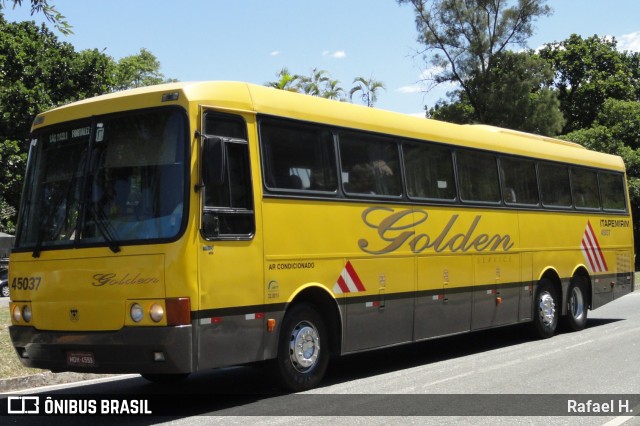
x=106 y=229
x=46 y=222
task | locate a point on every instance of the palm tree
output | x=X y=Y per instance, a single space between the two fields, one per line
x=313 y=85
x=286 y=81
x=333 y=91
x=368 y=87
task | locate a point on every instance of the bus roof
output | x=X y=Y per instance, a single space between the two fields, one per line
x=264 y=100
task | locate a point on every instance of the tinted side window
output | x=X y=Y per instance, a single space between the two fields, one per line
x=298 y=157
x=478 y=176
x=554 y=185
x=429 y=170
x=520 y=185
x=612 y=191
x=584 y=184
x=228 y=207
x=370 y=165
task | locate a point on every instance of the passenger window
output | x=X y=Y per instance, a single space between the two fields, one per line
x=478 y=177
x=228 y=207
x=584 y=184
x=370 y=165
x=429 y=170
x=519 y=182
x=298 y=157
x=554 y=185
x=612 y=191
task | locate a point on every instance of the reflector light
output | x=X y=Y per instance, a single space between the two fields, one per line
x=178 y=311
x=158 y=356
x=271 y=325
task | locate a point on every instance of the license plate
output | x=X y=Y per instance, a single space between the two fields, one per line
x=82 y=359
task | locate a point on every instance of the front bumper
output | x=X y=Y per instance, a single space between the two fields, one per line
x=129 y=350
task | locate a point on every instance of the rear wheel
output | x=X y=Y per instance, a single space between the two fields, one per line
x=303 y=352
x=577 y=305
x=545 y=312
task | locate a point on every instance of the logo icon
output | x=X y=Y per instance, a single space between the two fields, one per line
x=74 y=315
x=23 y=405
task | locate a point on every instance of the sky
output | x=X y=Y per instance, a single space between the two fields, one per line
x=251 y=40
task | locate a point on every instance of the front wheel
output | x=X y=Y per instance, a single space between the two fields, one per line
x=545 y=312
x=577 y=305
x=303 y=352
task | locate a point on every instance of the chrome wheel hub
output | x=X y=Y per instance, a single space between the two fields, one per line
x=547 y=309
x=576 y=303
x=304 y=346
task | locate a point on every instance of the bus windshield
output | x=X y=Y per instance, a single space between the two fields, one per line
x=105 y=181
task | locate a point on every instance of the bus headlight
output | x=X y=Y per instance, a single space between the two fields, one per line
x=156 y=312
x=26 y=313
x=136 y=312
x=17 y=314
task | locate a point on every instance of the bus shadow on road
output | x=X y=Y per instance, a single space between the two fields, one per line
x=382 y=361
x=238 y=390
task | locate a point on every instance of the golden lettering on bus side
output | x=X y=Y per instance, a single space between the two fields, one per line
x=395 y=231
x=113 y=279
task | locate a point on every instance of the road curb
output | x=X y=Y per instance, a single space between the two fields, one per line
x=45 y=379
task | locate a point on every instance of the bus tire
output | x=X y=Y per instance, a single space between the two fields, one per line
x=165 y=379
x=577 y=305
x=303 y=350
x=545 y=310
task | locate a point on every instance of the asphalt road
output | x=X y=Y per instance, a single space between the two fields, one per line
x=490 y=377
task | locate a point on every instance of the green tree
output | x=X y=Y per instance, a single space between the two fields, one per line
x=38 y=72
x=516 y=93
x=286 y=81
x=462 y=38
x=314 y=84
x=138 y=70
x=332 y=90
x=49 y=12
x=319 y=83
x=368 y=88
x=616 y=130
x=587 y=73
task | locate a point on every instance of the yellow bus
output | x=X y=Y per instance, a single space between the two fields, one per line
x=183 y=227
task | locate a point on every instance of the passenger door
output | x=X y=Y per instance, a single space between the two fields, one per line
x=231 y=316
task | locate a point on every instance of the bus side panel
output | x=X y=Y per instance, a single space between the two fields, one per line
x=602 y=292
x=624 y=274
x=617 y=281
x=443 y=304
x=526 y=289
x=497 y=294
x=386 y=317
